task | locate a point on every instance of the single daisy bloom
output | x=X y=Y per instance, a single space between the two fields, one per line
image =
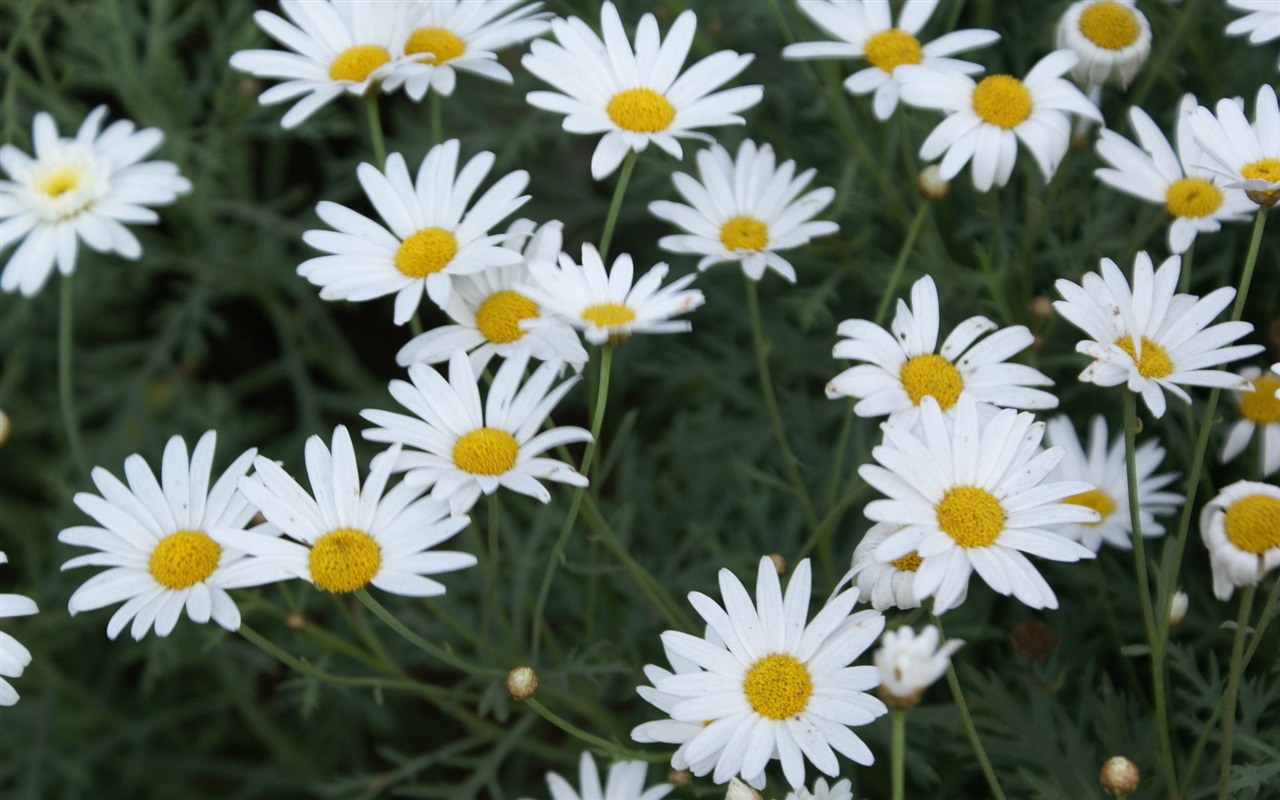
x=14 y=658
x=1262 y=23
x=157 y=539
x=1241 y=528
x=745 y=210
x=346 y=537
x=1111 y=37
x=884 y=584
x=429 y=235
x=902 y=367
x=987 y=119
x=79 y=188
x=460 y=450
x=841 y=790
x=1248 y=154
x=1149 y=337
x=609 y=306
x=493 y=318
x=774 y=686
x=625 y=781
x=972 y=497
x=909 y=664
x=866 y=30
x=1259 y=413
x=638 y=96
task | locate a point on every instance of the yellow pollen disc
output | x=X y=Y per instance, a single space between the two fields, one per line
x=343 y=560
x=1253 y=523
x=1002 y=100
x=58 y=181
x=641 y=111
x=971 y=516
x=744 y=233
x=892 y=48
x=931 y=375
x=440 y=45
x=355 y=63
x=908 y=563
x=426 y=252
x=778 y=686
x=184 y=558
x=486 y=451
x=1111 y=26
x=608 y=315
x=1096 y=499
x=1192 y=197
x=1268 y=169
x=1155 y=361
x=498 y=317
x=1261 y=406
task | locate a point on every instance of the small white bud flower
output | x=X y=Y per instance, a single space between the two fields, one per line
x=1177 y=607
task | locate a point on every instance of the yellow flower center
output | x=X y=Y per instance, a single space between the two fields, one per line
x=908 y=563
x=1002 y=100
x=355 y=63
x=892 y=48
x=1111 y=26
x=608 y=315
x=1096 y=499
x=971 y=516
x=1192 y=197
x=1155 y=361
x=440 y=45
x=498 y=317
x=184 y=558
x=641 y=111
x=778 y=686
x=426 y=252
x=1268 y=169
x=343 y=560
x=486 y=451
x=1253 y=523
x=1261 y=406
x=744 y=233
x=59 y=180
x=931 y=375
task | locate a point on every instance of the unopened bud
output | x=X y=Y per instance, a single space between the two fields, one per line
x=4 y=427
x=1033 y=640
x=522 y=683
x=1041 y=307
x=1177 y=607
x=740 y=791
x=931 y=185
x=680 y=778
x=779 y=563
x=295 y=621
x=1119 y=776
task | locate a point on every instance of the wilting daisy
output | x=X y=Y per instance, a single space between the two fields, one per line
x=866 y=30
x=1262 y=23
x=346 y=538
x=431 y=236
x=635 y=97
x=14 y=658
x=608 y=306
x=987 y=119
x=745 y=210
x=460 y=450
x=157 y=539
x=1249 y=155
x=1150 y=337
x=973 y=497
x=1109 y=36
x=493 y=318
x=841 y=790
x=902 y=368
x=774 y=686
x=625 y=781
x=79 y=188
x=909 y=664
x=884 y=584
x=1259 y=413
x=1241 y=528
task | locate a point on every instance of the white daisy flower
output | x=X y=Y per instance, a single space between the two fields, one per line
x=866 y=30
x=79 y=188
x=346 y=538
x=493 y=318
x=1150 y=337
x=625 y=781
x=1241 y=528
x=1247 y=154
x=1111 y=37
x=1259 y=413
x=903 y=368
x=430 y=235
x=635 y=97
x=1262 y=23
x=745 y=210
x=14 y=658
x=841 y=790
x=608 y=306
x=986 y=120
x=909 y=664
x=460 y=450
x=1104 y=467
x=972 y=497
x=157 y=537
x=777 y=687
x=884 y=584
x=1195 y=196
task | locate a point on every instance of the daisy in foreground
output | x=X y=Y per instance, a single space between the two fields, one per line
x=79 y=188
x=1149 y=337
x=745 y=210
x=866 y=30
x=635 y=97
x=459 y=450
x=987 y=119
x=345 y=537
x=14 y=658
x=625 y=781
x=772 y=686
x=1262 y=23
x=1111 y=37
x=972 y=497
x=1249 y=155
x=1241 y=528
x=902 y=368
x=1259 y=413
x=157 y=538
x=909 y=664
x=431 y=236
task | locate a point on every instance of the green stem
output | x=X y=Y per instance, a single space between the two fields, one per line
x=957 y=694
x=375 y=131
x=303 y=667
x=415 y=324
x=615 y=205
x=899 y=718
x=66 y=395
x=614 y=750
x=1233 y=686
x=1184 y=277
x=434 y=104
x=422 y=644
x=889 y=290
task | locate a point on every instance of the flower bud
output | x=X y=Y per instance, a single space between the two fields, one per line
x=4 y=427
x=295 y=622
x=1119 y=776
x=1177 y=607
x=740 y=791
x=522 y=682
x=779 y=563
x=1033 y=640
x=680 y=778
x=931 y=185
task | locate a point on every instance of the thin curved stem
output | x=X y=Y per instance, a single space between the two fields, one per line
x=376 y=140
x=422 y=644
x=886 y=299
x=1233 y=686
x=66 y=394
x=615 y=205
x=899 y=718
x=614 y=750
x=957 y=694
x=434 y=104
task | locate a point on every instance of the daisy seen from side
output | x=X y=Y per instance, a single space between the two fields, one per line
x=1262 y=23
x=1248 y=154
x=1241 y=528
x=909 y=664
x=625 y=781
x=1111 y=37
x=883 y=584
x=14 y=658
x=1259 y=415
